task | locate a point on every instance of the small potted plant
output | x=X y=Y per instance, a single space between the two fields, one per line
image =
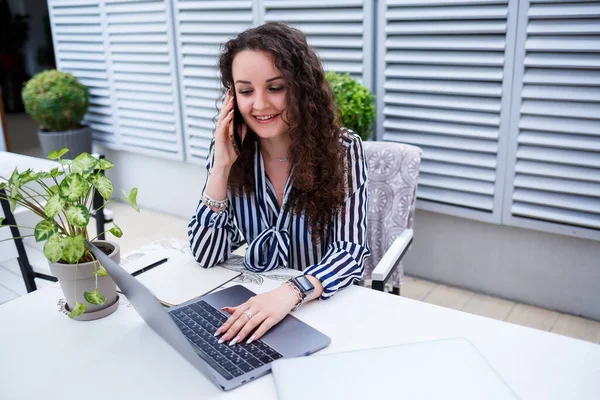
x=355 y=102
x=63 y=199
x=58 y=102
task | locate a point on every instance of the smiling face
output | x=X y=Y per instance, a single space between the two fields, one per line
x=260 y=92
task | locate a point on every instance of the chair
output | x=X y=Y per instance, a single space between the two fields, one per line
x=393 y=172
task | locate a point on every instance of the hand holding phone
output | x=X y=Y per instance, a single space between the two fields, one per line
x=234 y=135
x=229 y=134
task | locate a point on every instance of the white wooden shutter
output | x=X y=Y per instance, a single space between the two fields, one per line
x=554 y=153
x=77 y=31
x=341 y=31
x=123 y=51
x=144 y=80
x=202 y=26
x=444 y=75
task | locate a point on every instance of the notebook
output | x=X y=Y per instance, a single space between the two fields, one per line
x=180 y=278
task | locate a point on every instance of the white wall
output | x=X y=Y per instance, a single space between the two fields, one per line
x=169 y=187
x=552 y=271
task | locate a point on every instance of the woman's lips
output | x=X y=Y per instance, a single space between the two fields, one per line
x=268 y=121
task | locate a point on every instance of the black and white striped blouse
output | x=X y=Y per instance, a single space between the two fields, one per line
x=278 y=238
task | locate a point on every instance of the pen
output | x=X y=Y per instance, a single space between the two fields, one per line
x=149 y=267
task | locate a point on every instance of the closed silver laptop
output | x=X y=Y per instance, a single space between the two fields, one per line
x=441 y=369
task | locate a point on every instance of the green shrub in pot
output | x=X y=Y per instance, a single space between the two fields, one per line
x=58 y=102
x=356 y=103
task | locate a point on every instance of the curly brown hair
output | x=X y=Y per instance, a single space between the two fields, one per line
x=317 y=151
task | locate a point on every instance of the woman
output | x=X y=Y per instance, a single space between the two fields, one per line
x=297 y=191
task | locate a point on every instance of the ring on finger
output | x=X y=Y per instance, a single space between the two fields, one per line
x=248 y=314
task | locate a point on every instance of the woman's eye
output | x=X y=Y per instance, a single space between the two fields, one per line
x=272 y=89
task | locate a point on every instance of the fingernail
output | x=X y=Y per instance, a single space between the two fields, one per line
x=252 y=339
x=230 y=112
x=231 y=99
x=217 y=333
x=234 y=341
x=222 y=340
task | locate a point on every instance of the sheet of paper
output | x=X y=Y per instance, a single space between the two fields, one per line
x=180 y=278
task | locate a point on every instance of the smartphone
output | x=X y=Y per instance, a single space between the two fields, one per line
x=234 y=134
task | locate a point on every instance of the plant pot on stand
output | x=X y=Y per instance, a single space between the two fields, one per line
x=76 y=140
x=83 y=281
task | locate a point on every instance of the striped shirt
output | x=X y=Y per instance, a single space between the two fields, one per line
x=281 y=239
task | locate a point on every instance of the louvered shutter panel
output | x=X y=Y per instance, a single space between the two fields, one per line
x=339 y=30
x=202 y=26
x=554 y=153
x=144 y=80
x=444 y=85
x=77 y=31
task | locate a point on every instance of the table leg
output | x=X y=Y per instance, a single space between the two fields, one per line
x=24 y=265
x=98 y=202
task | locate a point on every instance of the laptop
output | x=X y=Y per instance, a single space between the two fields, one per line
x=442 y=369
x=189 y=328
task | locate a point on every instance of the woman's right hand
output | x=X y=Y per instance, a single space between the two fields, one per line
x=225 y=154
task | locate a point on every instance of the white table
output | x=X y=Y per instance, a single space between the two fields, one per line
x=8 y=162
x=44 y=354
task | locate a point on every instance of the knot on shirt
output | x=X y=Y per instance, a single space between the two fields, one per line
x=269 y=250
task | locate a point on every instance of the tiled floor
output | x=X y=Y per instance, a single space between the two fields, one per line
x=505 y=310
x=149 y=226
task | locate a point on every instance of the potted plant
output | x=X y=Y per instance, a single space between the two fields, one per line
x=58 y=102
x=356 y=103
x=63 y=199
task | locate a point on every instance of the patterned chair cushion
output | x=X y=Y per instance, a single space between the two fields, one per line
x=393 y=172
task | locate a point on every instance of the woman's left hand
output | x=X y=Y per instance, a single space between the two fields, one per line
x=265 y=310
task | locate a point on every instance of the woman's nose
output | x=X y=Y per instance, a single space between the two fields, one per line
x=260 y=102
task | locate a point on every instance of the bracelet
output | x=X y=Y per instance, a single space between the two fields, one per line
x=299 y=294
x=221 y=205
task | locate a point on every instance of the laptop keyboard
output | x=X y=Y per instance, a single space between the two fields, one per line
x=200 y=321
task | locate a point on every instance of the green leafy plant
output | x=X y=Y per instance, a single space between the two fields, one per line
x=355 y=102
x=56 y=100
x=63 y=199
